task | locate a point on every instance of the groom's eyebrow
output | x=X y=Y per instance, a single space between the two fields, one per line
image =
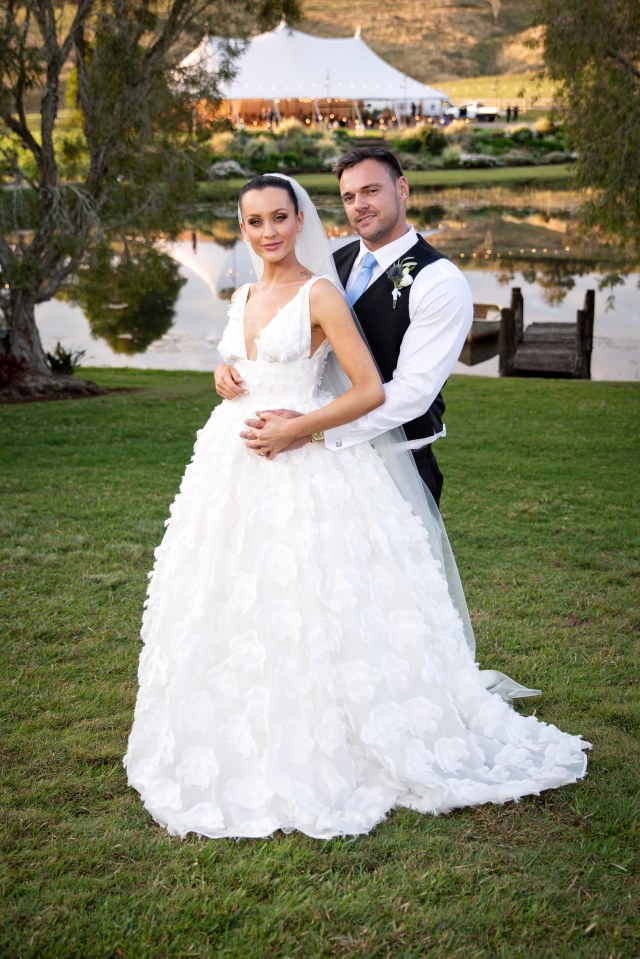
x=367 y=186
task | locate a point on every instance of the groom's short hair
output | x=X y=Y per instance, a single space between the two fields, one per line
x=360 y=154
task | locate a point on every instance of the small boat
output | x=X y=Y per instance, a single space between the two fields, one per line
x=486 y=321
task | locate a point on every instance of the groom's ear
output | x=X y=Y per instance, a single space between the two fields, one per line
x=403 y=187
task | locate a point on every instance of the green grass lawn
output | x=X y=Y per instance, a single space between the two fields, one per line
x=560 y=174
x=540 y=478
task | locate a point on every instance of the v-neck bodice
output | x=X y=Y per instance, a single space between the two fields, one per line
x=286 y=337
x=283 y=367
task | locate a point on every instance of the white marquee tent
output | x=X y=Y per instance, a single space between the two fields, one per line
x=286 y=64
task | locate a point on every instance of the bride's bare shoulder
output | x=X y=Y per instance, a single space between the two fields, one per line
x=327 y=304
x=323 y=287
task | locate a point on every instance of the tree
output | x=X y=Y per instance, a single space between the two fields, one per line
x=138 y=144
x=592 y=48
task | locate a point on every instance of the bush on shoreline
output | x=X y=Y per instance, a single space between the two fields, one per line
x=291 y=147
x=294 y=148
x=298 y=149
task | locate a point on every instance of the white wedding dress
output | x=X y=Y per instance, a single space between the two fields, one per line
x=303 y=665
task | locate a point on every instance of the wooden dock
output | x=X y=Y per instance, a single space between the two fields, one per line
x=546 y=349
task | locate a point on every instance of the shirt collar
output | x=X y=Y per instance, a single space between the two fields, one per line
x=389 y=253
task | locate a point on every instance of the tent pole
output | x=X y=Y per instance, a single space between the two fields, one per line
x=277 y=112
x=358 y=114
x=317 y=109
x=397 y=113
x=236 y=112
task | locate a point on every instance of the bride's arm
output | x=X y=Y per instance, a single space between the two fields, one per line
x=330 y=312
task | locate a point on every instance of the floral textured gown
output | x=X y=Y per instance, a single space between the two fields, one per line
x=303 y=666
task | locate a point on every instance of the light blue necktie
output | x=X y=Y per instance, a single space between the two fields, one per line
x=362 y=279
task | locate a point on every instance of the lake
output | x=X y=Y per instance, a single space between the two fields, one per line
x=490 y=251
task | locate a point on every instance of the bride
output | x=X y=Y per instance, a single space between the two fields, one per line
x=308 y=662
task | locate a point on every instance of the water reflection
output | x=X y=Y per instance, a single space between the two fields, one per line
x=165 y=306
x=127 y=292
x=478 y=350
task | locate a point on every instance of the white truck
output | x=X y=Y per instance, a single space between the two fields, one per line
x=473 y=111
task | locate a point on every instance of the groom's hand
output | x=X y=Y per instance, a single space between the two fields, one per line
x=251 y=436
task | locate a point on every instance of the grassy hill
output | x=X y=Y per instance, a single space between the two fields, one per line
x=440 y=40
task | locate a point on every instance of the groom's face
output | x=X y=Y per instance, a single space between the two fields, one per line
x=375 y=203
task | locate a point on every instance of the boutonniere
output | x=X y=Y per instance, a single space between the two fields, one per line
x=400 y=275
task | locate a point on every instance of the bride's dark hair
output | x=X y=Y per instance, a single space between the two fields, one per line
x=266 y=180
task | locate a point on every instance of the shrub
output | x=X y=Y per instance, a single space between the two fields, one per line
x=424 y=139
x=220 y=143
x=558 y=156
x=255 y=148
x=552 y=143
x=544 y=126
x=12 y=370
x=518 y=158
x=226 y=168
x=478 y=161
x=455 y=129
x=290 y=125
x=64 y=361
x=523 y=136
x=432 y=139
x=406 y=144
x=414 y=161
x=451 y=157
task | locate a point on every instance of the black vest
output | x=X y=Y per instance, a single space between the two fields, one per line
x=385 y=327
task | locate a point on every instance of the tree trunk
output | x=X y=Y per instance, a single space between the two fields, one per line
x=37 y=381
x=25 y=338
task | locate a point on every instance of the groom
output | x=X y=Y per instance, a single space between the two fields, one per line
x=414 y=306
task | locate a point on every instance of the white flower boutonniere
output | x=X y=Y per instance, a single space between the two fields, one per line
x=400 y=275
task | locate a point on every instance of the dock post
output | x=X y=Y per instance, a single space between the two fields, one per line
x=507 y=341
x=584 y=337
x=517 y=305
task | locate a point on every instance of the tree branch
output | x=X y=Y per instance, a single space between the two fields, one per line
x=84 y=9
x=17 y=81
x=615 y=55
x=18 y=171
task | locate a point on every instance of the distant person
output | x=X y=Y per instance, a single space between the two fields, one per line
x=509 y=114
x=515 y=112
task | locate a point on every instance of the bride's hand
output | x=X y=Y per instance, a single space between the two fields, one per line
x=271 y=433
x=228 y=382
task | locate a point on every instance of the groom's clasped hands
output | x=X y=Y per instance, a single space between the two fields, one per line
x=268 y=434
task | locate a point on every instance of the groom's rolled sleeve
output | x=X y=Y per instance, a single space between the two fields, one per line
x=441 y=310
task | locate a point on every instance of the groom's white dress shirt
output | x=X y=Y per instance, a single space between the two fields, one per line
x=441 y=313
